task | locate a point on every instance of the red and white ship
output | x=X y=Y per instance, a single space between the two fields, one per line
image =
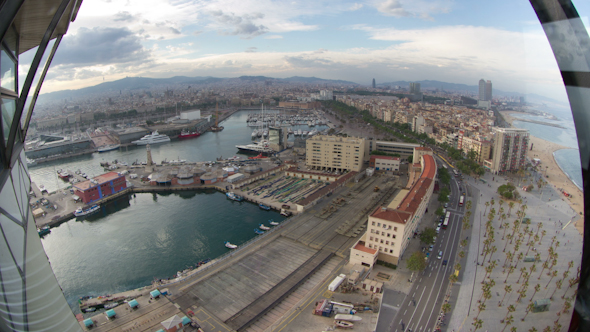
x=186 y=134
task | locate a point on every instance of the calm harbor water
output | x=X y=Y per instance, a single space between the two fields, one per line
x=567 y=159
x=134 y=240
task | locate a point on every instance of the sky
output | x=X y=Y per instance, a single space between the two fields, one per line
x=458 y=41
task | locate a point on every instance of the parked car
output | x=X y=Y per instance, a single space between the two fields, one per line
x=431 y=247
x=444 y=263
x=440 y=253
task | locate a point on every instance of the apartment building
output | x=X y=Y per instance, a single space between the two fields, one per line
x=510 y=148
x=335 y=153
x=481 y=148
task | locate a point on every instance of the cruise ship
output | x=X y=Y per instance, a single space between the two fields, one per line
x=258 y=147
x=153 y=138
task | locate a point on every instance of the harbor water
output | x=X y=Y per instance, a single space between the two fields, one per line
x=135 y=239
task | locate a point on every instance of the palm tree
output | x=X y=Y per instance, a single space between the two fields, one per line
x=545 y=266
x=458 y=266
x=547 y=329
x=566 y=307
x=446 y=307
x=507 y=289
x=509 y=256
x=508 y=237
x=553 y=275
x=506 y=225
x=484 y=210
x=528 y=309
x=510 y=270
x=558 y=285
x=529 y=245
x=537 y=288
x=461 y=254
x=481 y=307
x=493 y=249
x=477 y=323
x=522 y=271
x=500 y=202
x=533 y=329
x=510 y=206
x=521 y=294
x=453 y=278
x=507 y=321
x=464 y=243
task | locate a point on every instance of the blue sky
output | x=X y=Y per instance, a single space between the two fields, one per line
x=455 y=41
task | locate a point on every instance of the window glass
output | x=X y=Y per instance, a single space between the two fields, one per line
x=7 y=71
x=8 y=108
x=10 y=40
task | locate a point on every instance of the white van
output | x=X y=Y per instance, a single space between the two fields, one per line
x=440 y=253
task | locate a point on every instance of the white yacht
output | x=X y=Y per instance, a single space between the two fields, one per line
x=258 y=147
x=153 y=138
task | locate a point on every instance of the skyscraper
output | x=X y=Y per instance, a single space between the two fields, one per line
x=30 y=297
x=414 y=88
x=485 y=90
x=374 y=85
x=482 y=89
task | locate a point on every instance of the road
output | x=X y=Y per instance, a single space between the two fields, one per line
x=421 y=308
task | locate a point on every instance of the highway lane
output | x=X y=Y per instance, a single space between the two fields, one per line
x=421 y=308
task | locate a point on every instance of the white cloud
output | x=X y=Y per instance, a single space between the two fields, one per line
x=356 y=6
x=415 y=8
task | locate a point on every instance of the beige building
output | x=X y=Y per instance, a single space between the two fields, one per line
x=510 y=148
x=389 y=229
x=481 y=148
x=334 y=153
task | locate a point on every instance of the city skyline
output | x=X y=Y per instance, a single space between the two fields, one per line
x=356 y=41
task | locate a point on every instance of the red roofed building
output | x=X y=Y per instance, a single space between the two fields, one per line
x=389 y=230
x=360 y=254
x=100 y=186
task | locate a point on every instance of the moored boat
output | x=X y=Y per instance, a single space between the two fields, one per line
x=111 y=305
x=343 y=324
x=264 y=228
x=264 y=207
x=234 y=197
x=274 y=223
x=187 y=134
x=63 y=175
x=152 y=138
x=257 y=231
x=84 y=212
x=43 y=230
x=108 y=147
x=229 y=245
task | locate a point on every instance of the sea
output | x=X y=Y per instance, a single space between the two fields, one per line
x=567 y=159
x=134 y=240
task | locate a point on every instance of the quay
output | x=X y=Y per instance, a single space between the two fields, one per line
x=251 y=288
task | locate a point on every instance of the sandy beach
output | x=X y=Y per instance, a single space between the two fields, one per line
x=543 y=150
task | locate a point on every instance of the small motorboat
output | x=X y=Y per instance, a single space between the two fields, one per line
x=264 y=207
x=43 y=230
x=111 y=305
x=272 y=222
x=90 y=309
x=84 y=212
x=264 y=228
x=229 y=245
x=257 y=231
x=343 y=324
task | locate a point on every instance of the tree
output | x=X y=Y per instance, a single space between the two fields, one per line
x=416 y=262
x=553 y=275
x=410 y=159
x=453 y=278
x=446 y=307
x=558 y=284
x=537 y=288
x=477 y=323
x=509 y=320
x=528 y=309
x=481 y=307
x=439 y=212
x=427 y=235
x=507 y=289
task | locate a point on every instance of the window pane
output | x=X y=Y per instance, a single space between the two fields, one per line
x=7 y=71
x=8 y=109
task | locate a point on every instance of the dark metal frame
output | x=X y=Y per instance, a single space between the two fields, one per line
x=571 y=46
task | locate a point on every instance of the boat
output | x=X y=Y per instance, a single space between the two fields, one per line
x=153 y=138
x=63 y=175
x=257 y=147
x=111 y=305
x=108 y=147
x=187 y=134
x=264 y=207
x=260 y=156
x=91 y=309
x=229 y=245
x=43 y=230
x=84 y=212
x=234 y=197
x=264 y=228
x=343 y=324
x=274 y=223
x=348 y=318
x=257 y=231
x=254 y=134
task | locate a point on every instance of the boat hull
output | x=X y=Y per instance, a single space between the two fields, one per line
x=182 y=136
x=108 y=148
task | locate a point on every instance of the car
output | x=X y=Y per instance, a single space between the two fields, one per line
x=440 y=253
x=431 y=247
x=427 y=254
x=438 y=229
x=444 y=263
x=439 y=224
x=446 y=205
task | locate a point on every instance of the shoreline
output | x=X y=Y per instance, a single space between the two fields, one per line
x=554 y=174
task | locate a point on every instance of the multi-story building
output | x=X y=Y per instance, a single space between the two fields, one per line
x=384 y=163
x=417 y=121
x=30 y=297
x=414 y=88
x=324 y=152
x=403 y=149
x=390 y=228
x=482 y=148
x=485 y=90
x=510 y=148
x=100 y=187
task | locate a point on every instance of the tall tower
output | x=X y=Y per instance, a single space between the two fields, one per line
x=374 y=85
x=488 y=90
x=482 y=89
x=149 y=164
x=30 y=297
x=414 y=88
x=510 y=149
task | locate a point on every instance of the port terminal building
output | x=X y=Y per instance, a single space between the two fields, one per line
x=100 y=187
x=390 y=228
